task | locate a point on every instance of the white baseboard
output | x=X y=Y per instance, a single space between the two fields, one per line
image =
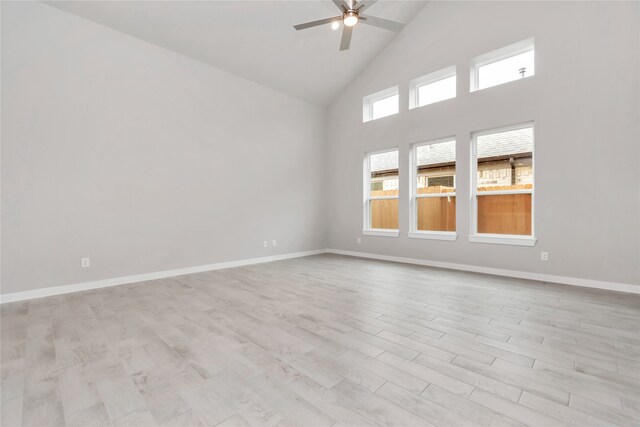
x=574 y=281
x=77 y=287
x=58 y=290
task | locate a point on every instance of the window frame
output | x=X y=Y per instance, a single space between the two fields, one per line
x=369 y=100
x=366 y=224
x=434 y=77
x=414 y=233
x=506 y=239
x=497 y=56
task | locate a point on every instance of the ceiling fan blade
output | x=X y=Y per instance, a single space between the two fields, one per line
x=387 y=24
x=342 y=5
x=364 y=5
x=316 y=23
x=345 y=42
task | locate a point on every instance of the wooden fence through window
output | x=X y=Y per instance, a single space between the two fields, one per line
x=497 y=214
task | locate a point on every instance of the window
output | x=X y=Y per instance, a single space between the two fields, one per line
x=433 y=201
x=380 y=104
x=503 y=65
x=502 y=187
x=433 y=87
x=381 y=193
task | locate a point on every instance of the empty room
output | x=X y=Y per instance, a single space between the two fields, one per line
x=320 y=213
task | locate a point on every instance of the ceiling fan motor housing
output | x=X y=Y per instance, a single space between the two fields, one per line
x=350 y=18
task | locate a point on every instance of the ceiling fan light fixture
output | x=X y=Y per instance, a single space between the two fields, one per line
x=350 y=18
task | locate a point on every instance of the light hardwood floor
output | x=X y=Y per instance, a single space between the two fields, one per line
x=320 y=341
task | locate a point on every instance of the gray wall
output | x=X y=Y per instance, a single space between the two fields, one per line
x=142 y=159
x=584 y=99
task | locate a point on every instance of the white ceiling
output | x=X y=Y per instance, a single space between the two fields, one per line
x=255 y=39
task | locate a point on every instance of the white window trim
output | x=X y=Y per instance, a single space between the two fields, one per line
x=367 y=103
x=381 y=232
x=498 y=55
x=366 y=195
x=436 y=76
x=433 y=235
x=504 y=239
x=414 y=233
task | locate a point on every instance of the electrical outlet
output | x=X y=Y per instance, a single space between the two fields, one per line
x=273 y=243
x=265 y=243
x=544 y=256
x=85 y=262
x=359 y=240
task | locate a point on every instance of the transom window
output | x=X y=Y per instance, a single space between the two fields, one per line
x=381 y=187
x=502 y=190
x=433 y=198
x=503 y=65
x=380 y=104
x=433 y=87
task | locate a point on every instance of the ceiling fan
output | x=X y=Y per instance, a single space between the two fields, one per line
x=351 y=15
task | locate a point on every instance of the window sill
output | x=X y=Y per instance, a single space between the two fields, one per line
x=369 y=120
x=503 y=239
x=381 y=233
x=434 y=235
x=478 y=89
x=417 y=107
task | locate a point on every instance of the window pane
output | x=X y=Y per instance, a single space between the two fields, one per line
x=436 y=167
x=505 y=160
x=437 y=91
x=506 y=70
x=384 y=186
x=436 y=171
x=384 y=214
x=384 y=107
x=382 y=162
x=436 y=213
x=384 y=174
x=384 y=183
x=505 y=214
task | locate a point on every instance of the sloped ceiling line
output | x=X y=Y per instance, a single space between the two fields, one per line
x=255 y=39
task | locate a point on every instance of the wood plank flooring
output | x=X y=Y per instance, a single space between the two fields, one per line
x=324 y=341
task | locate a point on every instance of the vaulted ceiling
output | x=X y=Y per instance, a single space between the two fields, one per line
x=255 y=39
